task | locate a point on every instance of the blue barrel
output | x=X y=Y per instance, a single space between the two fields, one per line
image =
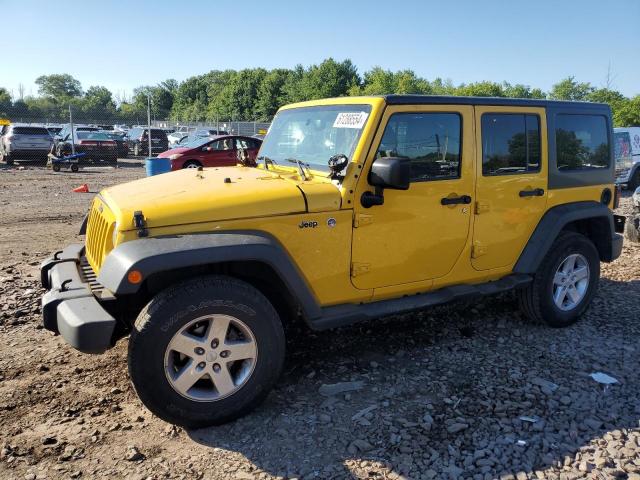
x=156 y=166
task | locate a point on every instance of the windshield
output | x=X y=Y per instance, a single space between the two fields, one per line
x=91 y=136
x=314 y=134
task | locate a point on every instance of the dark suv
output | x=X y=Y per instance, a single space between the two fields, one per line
x=139 y=141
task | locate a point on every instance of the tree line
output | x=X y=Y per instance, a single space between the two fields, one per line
x=257 y=93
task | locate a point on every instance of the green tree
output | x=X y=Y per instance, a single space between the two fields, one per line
x=628 y=113
x=271 y=94
x=521 y=91
x=58 y=86
x=481 y=89
x=5 y=103
x=570 y=89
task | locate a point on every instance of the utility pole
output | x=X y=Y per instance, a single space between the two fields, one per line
x=73 y=136
x=149 y=122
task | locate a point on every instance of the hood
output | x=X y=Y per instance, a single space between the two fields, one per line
x=191 y=196
x=173 y=151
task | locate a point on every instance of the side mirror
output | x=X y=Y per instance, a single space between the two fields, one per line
x=390 y=172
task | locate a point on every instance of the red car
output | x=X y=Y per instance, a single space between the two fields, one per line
x=215 y=151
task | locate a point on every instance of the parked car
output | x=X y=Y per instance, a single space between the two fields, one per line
x=66 y=130
x=53 y=130
x=121 y=142
x=626 y=142
x=97 y=147
x=24 y=142
x=138 y=141
x=176 y=137
x=209 y=132
x=106 y=128
x=218 y=151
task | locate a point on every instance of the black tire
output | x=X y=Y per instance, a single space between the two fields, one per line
x=632 y=228
x=168 y=312
x=191 y=164
x=8 y=159
x=55 y=167
x=74 y=167
x=634 y=181
x=536 y=299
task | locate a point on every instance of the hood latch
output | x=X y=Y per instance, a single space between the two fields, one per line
x=140 y=223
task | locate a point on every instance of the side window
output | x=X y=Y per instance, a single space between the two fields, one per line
x=582 y=142
x=224 y=144
x=430 y=140
x=510 y=143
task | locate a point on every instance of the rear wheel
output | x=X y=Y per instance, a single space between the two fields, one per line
x=565 y=282
x=206 y=351
x=634 y=182
x=74 y=167
x=191 y=164
x=55 y=167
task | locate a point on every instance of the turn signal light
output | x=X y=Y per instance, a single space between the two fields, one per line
x=134 y=276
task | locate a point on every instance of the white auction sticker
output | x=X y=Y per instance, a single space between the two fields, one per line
x=350 y=120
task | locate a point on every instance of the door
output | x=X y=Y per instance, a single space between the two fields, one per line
x=417 y=234
x=511 y=188
x=219 y=153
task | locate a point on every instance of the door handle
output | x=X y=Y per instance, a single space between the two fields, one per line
x=464 y=199
x=536 y=192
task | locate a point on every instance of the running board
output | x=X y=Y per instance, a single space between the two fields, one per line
x=342 y=315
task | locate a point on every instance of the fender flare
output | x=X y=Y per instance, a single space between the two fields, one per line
x=552 y=223
x=161 y=254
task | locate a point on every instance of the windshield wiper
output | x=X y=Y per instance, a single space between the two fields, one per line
x=267 y=161
x=301 y=167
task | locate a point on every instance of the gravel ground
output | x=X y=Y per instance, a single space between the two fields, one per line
x=465 y=391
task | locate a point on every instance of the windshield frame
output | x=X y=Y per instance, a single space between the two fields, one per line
x=323 y=167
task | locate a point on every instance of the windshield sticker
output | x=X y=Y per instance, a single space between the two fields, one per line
x=350 y=120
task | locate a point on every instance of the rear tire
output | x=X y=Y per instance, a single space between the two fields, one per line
x=55 y=167
x=558 y=298
x=74 y=167
x=181 y=319
x=634 y=182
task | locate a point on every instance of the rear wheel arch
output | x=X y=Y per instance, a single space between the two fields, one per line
x=592 y=219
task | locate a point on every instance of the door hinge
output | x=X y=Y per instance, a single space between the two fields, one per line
x=362 y=219
x=478 y=250
x=482 y=207
x=359 y=268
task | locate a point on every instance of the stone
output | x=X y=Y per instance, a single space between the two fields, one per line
x=457 y=427
x=337 y=388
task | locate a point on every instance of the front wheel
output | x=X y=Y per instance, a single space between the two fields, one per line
x=191 y=164
x=206 y=351
x=565 y=282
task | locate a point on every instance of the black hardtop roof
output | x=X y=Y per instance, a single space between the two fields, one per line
x=491 y=101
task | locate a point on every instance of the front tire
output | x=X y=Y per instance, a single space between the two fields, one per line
x=565 y=282
x=191 y=164
x=206 y=351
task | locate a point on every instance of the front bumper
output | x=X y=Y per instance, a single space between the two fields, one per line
x=70 y=308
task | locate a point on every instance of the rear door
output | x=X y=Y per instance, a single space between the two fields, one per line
x=511 y=186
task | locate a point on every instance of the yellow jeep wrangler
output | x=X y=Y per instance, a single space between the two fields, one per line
x=359 y=208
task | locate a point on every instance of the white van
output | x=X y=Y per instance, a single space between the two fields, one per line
x=626 y=141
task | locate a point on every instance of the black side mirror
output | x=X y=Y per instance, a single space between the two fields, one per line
x=389 y=172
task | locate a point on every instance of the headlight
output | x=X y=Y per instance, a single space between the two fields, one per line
x=175 y=156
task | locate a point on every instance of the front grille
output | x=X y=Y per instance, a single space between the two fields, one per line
x=90 y=277
x=99 y=231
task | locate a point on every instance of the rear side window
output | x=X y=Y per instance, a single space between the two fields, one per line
x=30 y=131
x=158 y=134
x=510 y=143
x=430 y=140
x=582 y=142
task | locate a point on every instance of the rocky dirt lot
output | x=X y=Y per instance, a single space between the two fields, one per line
x=464 y=391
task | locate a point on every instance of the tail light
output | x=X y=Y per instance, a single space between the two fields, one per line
x=88 y=143
x=617 y=193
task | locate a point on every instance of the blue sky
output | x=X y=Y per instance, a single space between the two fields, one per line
x=532 y=42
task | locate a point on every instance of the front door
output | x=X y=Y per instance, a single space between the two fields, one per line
x=220 y=153
x=418 y=234
x=512 y=182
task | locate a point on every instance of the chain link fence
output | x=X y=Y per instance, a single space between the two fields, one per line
x=29 y=139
